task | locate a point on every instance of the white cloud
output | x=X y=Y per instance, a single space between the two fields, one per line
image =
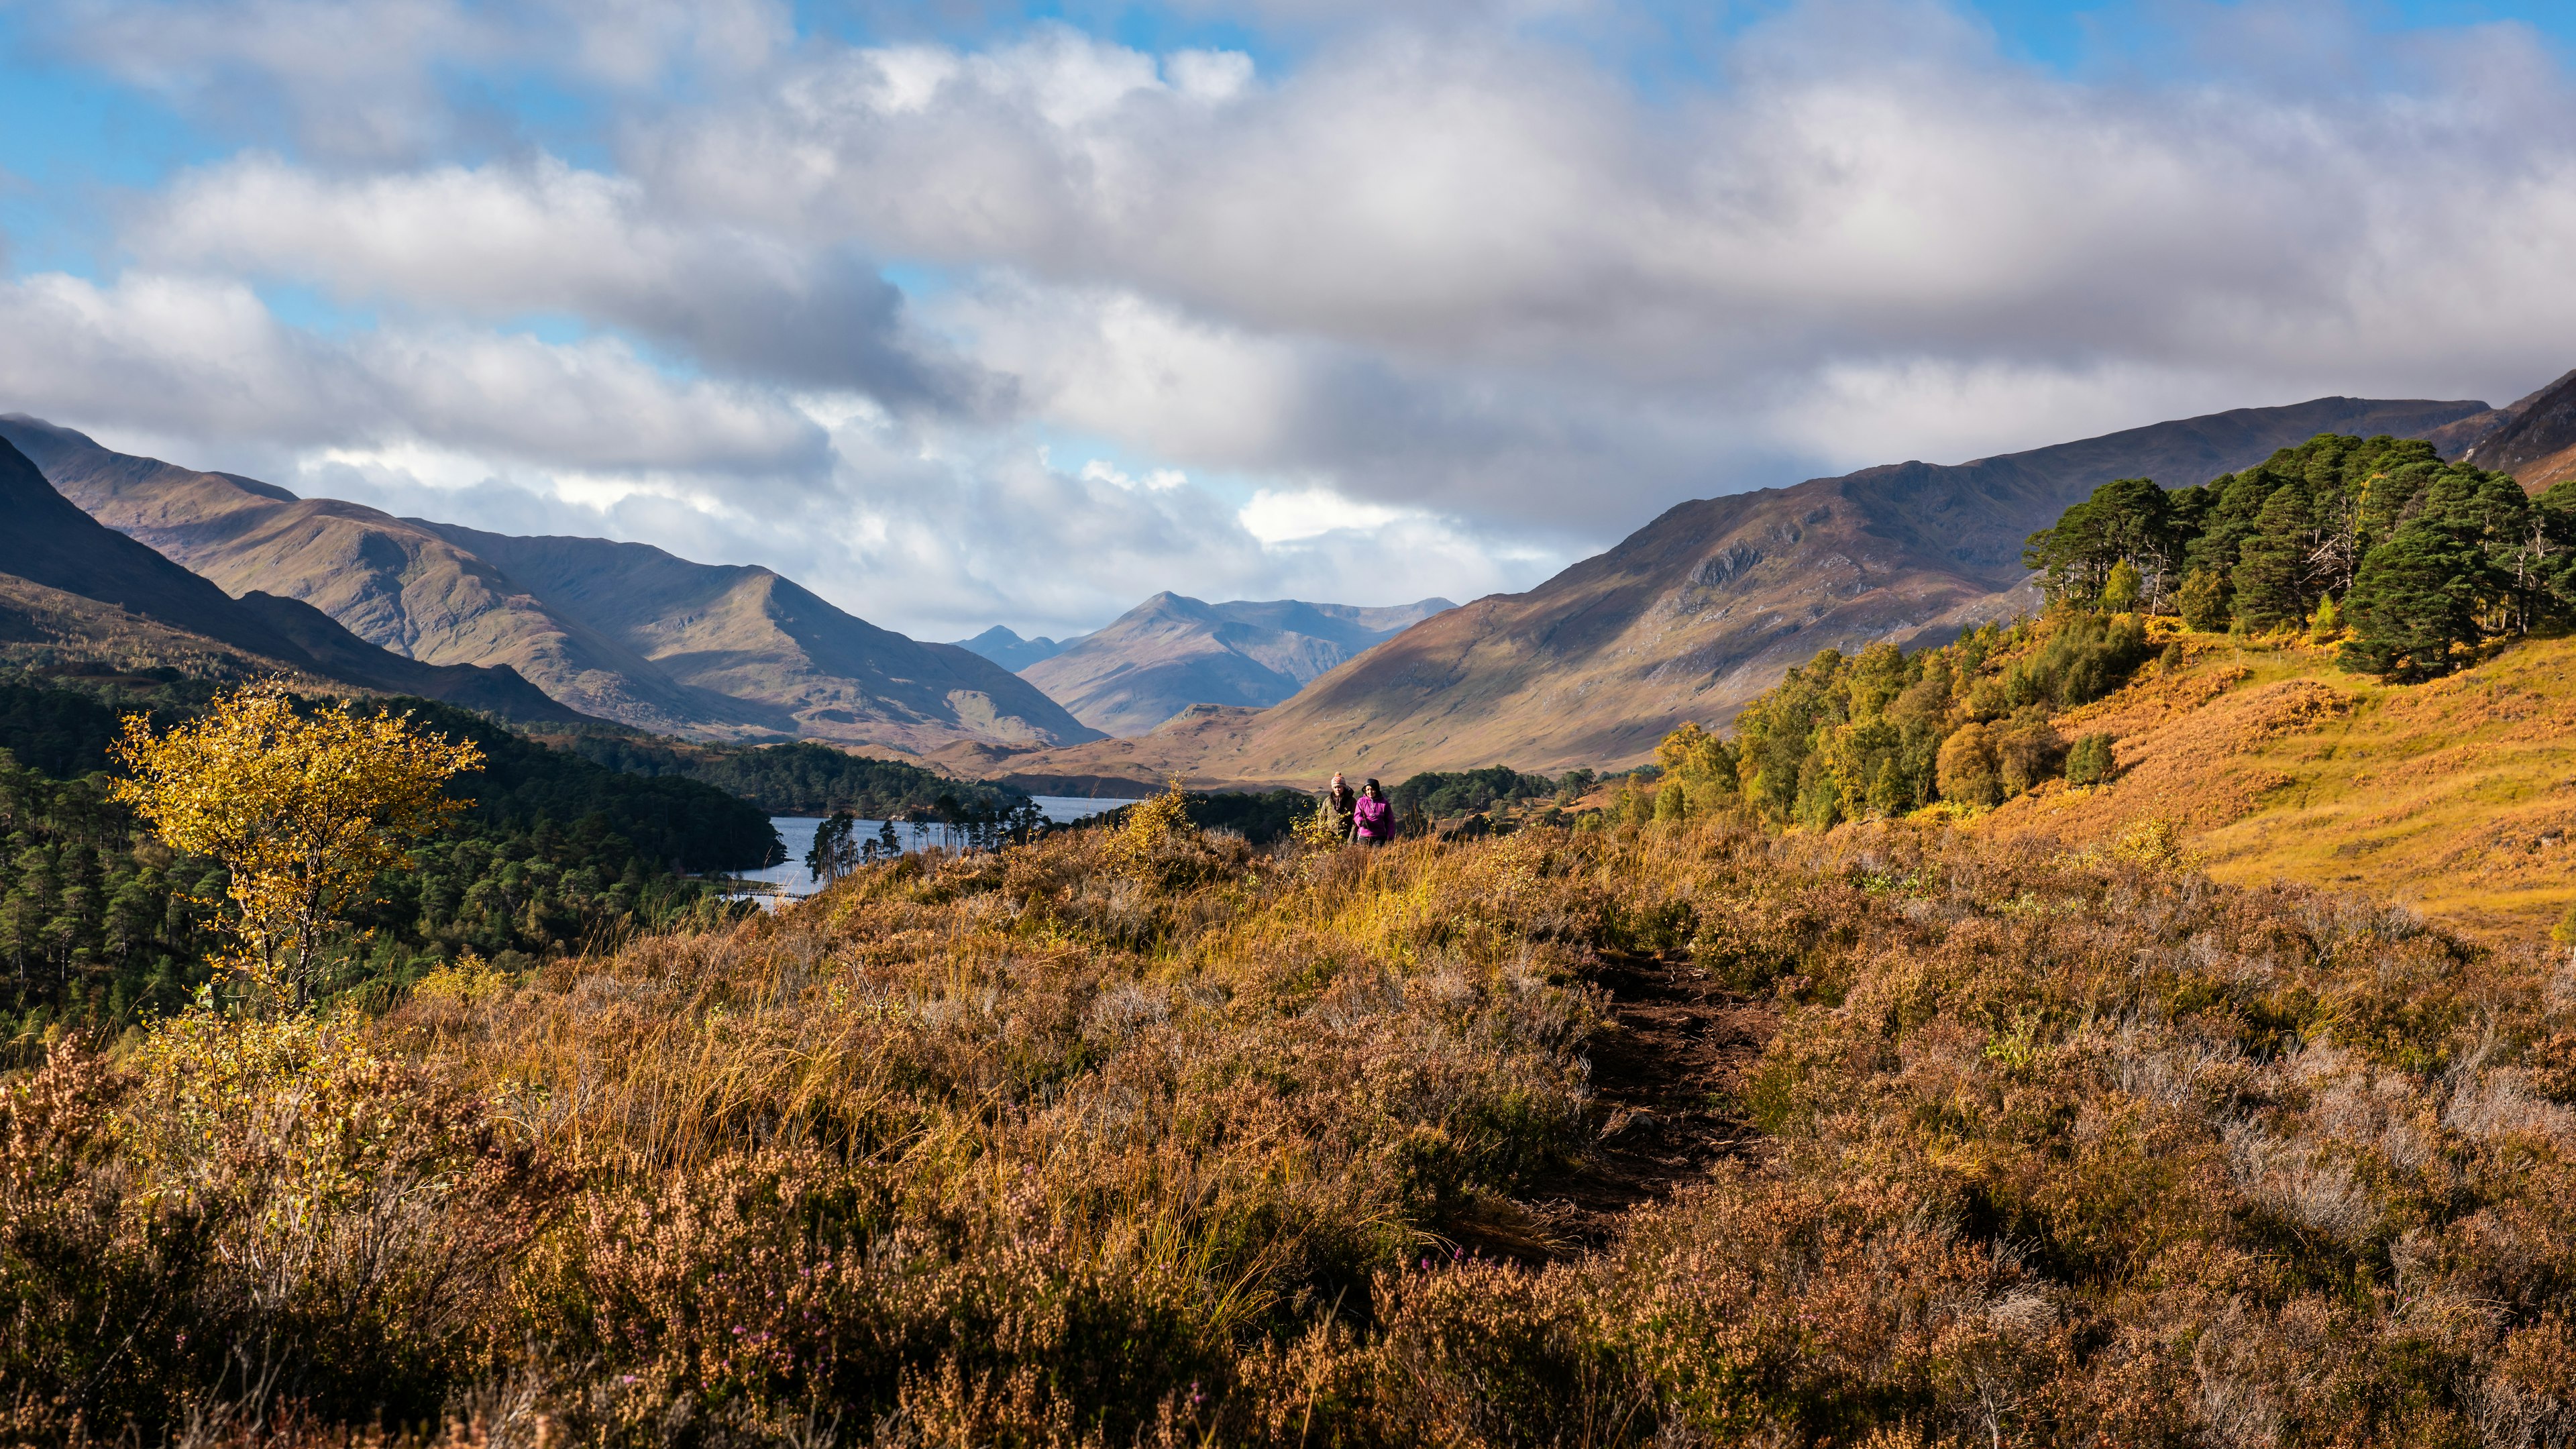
x=1448 y=293
x=1159 y=480
x=1280 y=516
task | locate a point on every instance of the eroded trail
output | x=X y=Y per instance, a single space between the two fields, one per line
x=1666 y=1069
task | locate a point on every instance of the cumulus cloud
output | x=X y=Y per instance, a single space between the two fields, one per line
x=1448 y=293
x=192 y=357
x=502 y=241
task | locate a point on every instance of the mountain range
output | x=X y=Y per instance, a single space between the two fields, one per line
x=621 y=631
x=1006 y=648
x=1171 y=652
x=70 y=587
x=1703 y=608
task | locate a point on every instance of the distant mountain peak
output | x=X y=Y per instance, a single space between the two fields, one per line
x=1173 y=652
x=1009 y=650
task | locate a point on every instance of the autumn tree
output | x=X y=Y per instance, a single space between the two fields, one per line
x=303 y=808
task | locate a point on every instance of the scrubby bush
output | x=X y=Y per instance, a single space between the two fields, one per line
x=1970 y=774
x=2089 y=761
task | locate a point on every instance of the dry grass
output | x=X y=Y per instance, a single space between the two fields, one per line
x=1082 y=1145
x=2456 y=797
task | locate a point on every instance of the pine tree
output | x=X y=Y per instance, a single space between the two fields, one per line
x=2204 y=601
x=2271 y=568
x=2412 y=603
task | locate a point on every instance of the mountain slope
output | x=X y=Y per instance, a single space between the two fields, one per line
x=2452 y=796
x=392 y=582
x=596 y=643
x=69 y=555
x=2537 y=443
x=1171 y=652
x=764 y=641
x=1705 y=607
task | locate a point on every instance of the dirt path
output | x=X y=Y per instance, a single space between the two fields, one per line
x=1664 y=1068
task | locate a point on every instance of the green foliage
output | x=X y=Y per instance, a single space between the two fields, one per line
x=802 y=778
x=1259 y=816
x=2089 y=761
x=2203 y=602
x=1884 y=732
x=1446 y=794
x=100 y=923
x=2085 y=657
x=2428 y=559
x=2125 y=537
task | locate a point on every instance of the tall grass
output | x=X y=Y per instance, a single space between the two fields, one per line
x=1093 y=1142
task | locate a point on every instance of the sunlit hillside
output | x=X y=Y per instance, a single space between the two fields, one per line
x=2457 y=797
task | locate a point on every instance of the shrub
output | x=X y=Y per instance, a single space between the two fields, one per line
x=1969 y=772
x=2089 y=761
x=2204 y=602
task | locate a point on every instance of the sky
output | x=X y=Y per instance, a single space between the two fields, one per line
x=963 y=312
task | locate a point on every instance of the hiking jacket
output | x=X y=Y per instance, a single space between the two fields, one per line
x=1375 y=818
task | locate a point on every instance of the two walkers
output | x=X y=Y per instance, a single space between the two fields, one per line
x=1366 y=817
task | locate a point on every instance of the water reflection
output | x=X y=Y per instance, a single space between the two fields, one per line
x=796 y=832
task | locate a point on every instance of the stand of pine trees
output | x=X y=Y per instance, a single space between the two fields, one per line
x=2418 y=561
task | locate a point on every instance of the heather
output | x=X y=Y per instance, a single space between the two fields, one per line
x=1147 y=1135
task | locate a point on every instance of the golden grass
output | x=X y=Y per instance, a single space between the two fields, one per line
x=1082 y=1145
x=2456 y=797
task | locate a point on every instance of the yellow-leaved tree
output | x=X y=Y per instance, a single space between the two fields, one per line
x=302 y=807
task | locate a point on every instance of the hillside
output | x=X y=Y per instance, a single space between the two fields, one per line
x=2536 y=442
x=1707 y=606
x=767 y=644
x=74 y=590
x=1171 y=652
x=2456 y=797
x=620 y=631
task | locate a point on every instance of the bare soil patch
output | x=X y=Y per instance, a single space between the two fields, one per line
x=1666 y=1069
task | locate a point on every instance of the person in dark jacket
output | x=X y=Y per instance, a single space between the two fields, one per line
x=1343 y=802
x=1373 y=819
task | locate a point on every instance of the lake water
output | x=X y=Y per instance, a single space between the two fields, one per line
x=796 y=832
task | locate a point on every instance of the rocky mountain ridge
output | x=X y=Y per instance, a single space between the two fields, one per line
x=1706 y=606
x=622 y=631
x=79 y=590
x=1172 y=652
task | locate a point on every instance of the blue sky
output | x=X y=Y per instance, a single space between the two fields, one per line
x=971 y=313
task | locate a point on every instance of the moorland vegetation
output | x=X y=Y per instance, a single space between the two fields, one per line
x=1149 y=1136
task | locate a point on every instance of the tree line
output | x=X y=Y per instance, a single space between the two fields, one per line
x=2413 y=563
x=1884 y=732
x=100 y=922
x=801 y=778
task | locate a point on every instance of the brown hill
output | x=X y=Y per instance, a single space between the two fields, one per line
x=646 y=639
x=764 y=642
x=1171 y=652
x=2274 y=764
x=2537 y=442
x=1700 y=610
x=84 y=591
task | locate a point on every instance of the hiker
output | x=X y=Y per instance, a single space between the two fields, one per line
x=1343 y=803
x=1372 y=819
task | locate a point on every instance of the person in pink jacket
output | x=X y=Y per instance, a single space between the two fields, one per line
x=1372 y=819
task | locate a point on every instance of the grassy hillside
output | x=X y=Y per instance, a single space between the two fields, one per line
x=1650 y=1135
x=2456 y=797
